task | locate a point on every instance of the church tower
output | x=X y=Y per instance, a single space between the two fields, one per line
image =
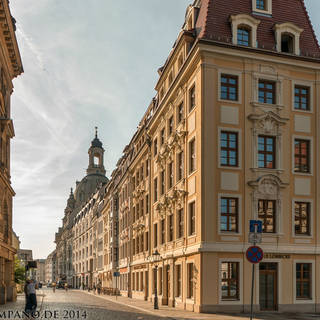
x=96 y=153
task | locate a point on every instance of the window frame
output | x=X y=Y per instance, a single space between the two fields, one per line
x=275 y=215
x=313 y=271
x=230 y=300
x=228 y=149
x=306 y=84
x=192 y=218
x=228 y=85
x=309 y=155
x=267 y=11
x=192 y=156
x=265 y=152
x=242 y=29
x=266 y=91
x=300 y=218
x=192 y=97
x=180 y=223
x=311 y=219
x=229 y=214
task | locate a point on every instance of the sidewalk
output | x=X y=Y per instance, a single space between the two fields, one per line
x=173 y=313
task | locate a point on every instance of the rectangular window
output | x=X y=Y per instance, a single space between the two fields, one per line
x=243 y=36
x=229 y=87
x=230 y=280
x=162 y=182
x=302 y=98
x=229 y=149
x=146 y=241
x=266 y=152
x=160 y=281
x=303 y=281
x=302 y=156
x=190 y=280
x=192 y=98
x=261 y=4
x=267 y=92
x=229 y=214
x=302 y=218
x=170 y=175
x=180 y=166
x=170 y=126
x=155 y=235
x=170 y=228
x=180 y=223
x=267 y=213
x=192 y=156
x=155 y=147
x=192 y=218
x=180 y=113
x=163 y=231
x=155 y=186
x=147 y=168
x=178 y=277
x=162 y=136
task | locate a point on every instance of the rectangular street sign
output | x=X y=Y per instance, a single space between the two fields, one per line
x=255 y=237
x=256 y=226
x=116 y=274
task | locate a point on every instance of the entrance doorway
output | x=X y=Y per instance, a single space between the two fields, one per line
x=268 y=286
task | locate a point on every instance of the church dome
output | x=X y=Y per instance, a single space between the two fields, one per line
x=96 y=143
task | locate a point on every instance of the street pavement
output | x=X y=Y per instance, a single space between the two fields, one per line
x=76 y=304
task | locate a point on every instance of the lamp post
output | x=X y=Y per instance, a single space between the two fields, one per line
x=155 y=259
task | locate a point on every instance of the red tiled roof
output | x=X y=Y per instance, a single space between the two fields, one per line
x=213 y=22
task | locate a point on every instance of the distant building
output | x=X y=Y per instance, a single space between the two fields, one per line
x=10 y=67
x=76 y=203
x=40 y=271
x=50 y=267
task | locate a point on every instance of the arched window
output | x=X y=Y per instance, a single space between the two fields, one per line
x=287 y=43
x=244 y=36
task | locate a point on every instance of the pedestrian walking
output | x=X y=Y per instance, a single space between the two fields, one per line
x=66 y=287
x=54 y=287
x=99 y=287
x=27 y=306
x=94 y=288
x=31 y=305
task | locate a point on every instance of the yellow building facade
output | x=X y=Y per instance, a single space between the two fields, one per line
x=10 y=67
x=231 y=136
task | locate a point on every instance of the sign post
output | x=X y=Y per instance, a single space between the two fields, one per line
x=116 y=274
x=254 y=253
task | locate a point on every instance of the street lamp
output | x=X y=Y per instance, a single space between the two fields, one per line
x=155 y=258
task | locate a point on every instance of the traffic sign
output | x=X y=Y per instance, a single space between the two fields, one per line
x=255 y=238
x=256 y=226
x=254 y=254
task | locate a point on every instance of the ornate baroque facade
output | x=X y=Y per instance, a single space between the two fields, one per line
x=232 y=135
x=10 y=67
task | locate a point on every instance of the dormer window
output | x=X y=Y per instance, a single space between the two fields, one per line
x=262 y=6
x=288 y=37
x=287 y=43
x=244 y=30
x=243 y=36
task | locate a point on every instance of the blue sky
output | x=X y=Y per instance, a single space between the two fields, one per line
x=87 y=63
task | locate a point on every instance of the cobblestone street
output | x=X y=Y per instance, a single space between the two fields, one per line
x=82 y=305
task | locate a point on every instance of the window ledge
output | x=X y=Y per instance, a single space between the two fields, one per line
x=267 y=105
x=229 y=101
x=267 y=170
x=302 y=174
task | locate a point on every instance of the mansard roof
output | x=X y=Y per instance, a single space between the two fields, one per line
x=213 y=22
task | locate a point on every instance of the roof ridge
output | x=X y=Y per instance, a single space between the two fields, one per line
x=309 y=21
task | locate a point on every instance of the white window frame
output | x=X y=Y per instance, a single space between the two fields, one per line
x=230 y=129
x=291 y=29
x=310 y=218
x=313 y=282
x=247 y=21
x=308 y=84
x=231 y=72
x=309 y=138
x=264 y=12
x=231 y=302
x=230 y=195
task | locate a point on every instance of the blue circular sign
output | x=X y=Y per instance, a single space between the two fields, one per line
x=254 y=254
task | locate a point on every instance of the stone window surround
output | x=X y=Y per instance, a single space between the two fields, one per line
x=291 y=29
x=313 y=282
x=232 y=72
x=231 y=129
x=269 y=7
x=255 y=89
x=230 y=195
x=299 y=236
x=244 y=20
x=231 y=302
x=309 y=138
x=308 y=84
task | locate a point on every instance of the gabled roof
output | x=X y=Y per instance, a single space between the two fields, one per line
x=213 y=22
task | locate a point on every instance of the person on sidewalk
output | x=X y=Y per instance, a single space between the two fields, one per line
x=32 y=297
x=94 y=288
x=54 y=287
x=27 y=306
x=66 y=287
